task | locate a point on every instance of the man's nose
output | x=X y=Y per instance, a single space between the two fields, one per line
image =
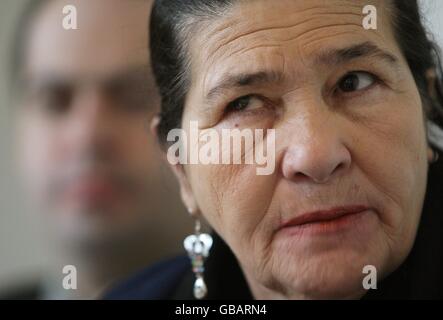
x=316 y=151
x=91 y=124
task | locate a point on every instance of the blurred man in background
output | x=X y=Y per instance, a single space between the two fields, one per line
x=86 y=97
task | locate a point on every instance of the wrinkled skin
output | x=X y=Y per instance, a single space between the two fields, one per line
x=333 y=147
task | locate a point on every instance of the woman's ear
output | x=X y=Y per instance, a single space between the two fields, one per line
x=154 y=125
x=431 y=78
x=153 y=128
x=431 y=155
x=186 y=192
x=179 y=171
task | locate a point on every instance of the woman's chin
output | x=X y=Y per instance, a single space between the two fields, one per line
x=330 y=288
x=328 y=265
x=333 y=277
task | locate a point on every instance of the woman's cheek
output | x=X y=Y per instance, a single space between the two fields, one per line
x=233 y=198
x=250 y=212
x=213 y=186
x=387 y=154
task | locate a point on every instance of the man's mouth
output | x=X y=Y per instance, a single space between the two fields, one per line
x=92 y=190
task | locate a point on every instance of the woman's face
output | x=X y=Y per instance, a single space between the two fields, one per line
x=349 y=132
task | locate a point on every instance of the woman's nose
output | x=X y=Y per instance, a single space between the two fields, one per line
x=316 y=153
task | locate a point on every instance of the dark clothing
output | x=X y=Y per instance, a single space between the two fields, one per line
x=156 y=282
x=419 y=277
x=29 y=291
x=173 y=279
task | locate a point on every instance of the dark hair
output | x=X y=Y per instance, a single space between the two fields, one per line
x=422 y=55
x=173 y=21
x=170 y=28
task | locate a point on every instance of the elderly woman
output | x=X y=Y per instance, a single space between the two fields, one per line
x=353 y=206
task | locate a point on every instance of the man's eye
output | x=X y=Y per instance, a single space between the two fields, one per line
x=249 y=102
x=355 y=81
x=56 y=101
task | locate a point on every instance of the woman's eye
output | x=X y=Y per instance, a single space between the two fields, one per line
x=356 y=81
x=249 y=102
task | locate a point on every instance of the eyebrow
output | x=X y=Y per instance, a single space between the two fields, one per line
x=45 y=81
x=328 y=57
x=244 y=80
x=343 y=55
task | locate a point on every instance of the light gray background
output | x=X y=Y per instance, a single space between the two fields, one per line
x=22 y=253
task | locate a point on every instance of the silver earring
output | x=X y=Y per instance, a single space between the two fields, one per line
x=198 y=245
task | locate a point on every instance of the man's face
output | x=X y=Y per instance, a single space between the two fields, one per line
x=85 y=146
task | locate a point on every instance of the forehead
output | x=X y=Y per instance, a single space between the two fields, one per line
x=283 y=34
x=111 y=34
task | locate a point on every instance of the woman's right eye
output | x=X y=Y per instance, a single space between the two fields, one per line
x=249 y=102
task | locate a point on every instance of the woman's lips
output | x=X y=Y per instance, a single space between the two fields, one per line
x=330 y=220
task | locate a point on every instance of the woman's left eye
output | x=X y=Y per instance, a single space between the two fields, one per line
x=355 y=81
x=248 y=102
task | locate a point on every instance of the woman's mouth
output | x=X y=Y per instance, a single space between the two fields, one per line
x=331 y=220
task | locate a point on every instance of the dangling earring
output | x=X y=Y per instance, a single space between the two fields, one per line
x=198 y=245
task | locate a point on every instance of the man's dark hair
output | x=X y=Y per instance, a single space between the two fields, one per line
x=173 y=21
